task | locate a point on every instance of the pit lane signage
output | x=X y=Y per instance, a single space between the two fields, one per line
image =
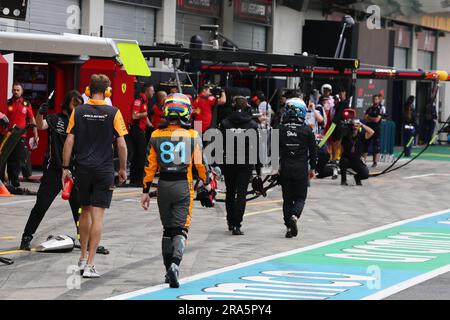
x=369 y=265
x=147 y=3
x=259 y=11
x=203 y=7
x=13 y=9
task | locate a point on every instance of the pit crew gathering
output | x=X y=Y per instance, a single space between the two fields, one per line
x=312 y=135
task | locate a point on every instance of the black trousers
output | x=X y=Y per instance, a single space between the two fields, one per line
x=27 y=169
x=237 y=178
x=49 y=189
x=15 y=161
x=323 y=168
x=138 y=158
x=356 y=164
x=294 y=186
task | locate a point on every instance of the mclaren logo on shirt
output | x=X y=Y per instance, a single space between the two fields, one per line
x=95 y=117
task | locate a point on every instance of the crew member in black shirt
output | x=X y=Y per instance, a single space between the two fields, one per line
x=51 y=184
x=372 y=118
x=353 y=146
x=238 y=168
x=92 y=130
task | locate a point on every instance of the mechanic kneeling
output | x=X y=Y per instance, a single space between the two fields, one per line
x=354 y=135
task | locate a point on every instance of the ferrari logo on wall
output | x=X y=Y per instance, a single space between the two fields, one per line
x=124 y=88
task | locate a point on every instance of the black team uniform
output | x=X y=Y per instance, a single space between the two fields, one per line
x=237 y=176
x=297 y=146
x=374 y=111
x=353 y=147
x=51 y=183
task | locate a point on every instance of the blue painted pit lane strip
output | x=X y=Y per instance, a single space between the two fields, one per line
x=372 y=264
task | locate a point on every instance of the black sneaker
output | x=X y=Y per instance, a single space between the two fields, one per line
x=344 y=183
x=293 y=225
x=230 y=227
x=166 y=278
x=358 y=181
x=15 y=183
x=172 y=274
x=26 y=243
x=374 y=165
x=237 y=232
x=288 y=233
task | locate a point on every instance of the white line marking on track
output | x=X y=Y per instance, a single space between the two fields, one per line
x=423 y=277
x=16 y=202
x=427 y=175
x=260 y=212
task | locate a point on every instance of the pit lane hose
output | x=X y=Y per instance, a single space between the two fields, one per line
x=376 y=174
x=388 y=170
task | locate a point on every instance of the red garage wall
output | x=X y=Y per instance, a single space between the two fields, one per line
x=122 y=84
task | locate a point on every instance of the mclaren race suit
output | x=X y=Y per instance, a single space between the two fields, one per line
x=173 y=152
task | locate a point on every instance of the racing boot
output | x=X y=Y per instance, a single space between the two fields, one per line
x=293 y=225
x=179 y=244
x=237 y=232
x=173 y=274
x=288 y=233
x=25 y=244
x=167 y=251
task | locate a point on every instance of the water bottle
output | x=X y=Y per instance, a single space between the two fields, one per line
x=67 y=188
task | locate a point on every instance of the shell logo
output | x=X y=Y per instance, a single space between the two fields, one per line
x=442 y=75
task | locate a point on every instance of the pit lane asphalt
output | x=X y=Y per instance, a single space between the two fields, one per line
x=134 y=236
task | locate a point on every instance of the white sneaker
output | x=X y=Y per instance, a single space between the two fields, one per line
x=90 y=272
x=335 y=173
x=82 y=265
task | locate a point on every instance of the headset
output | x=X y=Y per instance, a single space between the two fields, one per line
x=108 y=92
